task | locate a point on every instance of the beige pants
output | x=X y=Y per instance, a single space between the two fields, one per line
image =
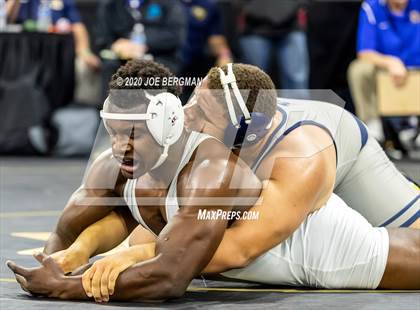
x=361 y=76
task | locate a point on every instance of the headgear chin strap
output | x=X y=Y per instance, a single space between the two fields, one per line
x=248 y=128
x=164 y=120
x=227 y=80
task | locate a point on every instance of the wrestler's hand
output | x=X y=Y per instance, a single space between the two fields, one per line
x=99 y=280
x=46 y=280
x=70 y=259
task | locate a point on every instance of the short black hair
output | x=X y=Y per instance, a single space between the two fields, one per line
x=132 y=76
x=262 y=96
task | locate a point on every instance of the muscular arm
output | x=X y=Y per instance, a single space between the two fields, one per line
x=99 y=238
x=185 y=245
x=87 y=205
x=301 y=181
x=75 y=218
x=298 y=185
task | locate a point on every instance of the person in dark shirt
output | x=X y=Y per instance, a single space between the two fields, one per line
x=205 y=44
x=19 y=11
x=274 y=26
x=65 y=17
x=163 y=28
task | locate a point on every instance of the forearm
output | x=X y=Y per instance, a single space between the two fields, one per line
x=12 y=10
x=219 y=46
x=56 y=243
x=99 y=238
x=60 y=239
x=76 y=217
x=237 y=249
x=81 y=38
x=141 y=252
x=229 y=255
x=146 y=281
x=375 y=58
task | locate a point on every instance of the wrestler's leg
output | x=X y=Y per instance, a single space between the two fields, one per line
x=402 y=270
x=375 y=188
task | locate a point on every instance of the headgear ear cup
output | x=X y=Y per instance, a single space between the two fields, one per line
x=247 y=134
x=167 y=127
x=248 y=128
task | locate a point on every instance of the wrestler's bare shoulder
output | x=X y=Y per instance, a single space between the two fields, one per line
x=305 y=141
x=104 y=172
x=216 y=168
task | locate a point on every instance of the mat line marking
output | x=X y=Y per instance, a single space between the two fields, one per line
x=8 y=280
x=29 y=214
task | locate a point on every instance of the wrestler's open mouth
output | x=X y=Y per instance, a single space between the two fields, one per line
x=129 y=164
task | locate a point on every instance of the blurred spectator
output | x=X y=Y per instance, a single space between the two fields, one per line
x=130 y=29
x=64 y=17
x=332 y=51
x=276 y=25
x=388 y=39
x=205 y=45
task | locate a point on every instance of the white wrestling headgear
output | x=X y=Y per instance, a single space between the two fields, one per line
x=230 y=80
x=248 y=128
x=164 y=120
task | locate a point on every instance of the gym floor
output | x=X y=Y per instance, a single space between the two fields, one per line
x=33 y=191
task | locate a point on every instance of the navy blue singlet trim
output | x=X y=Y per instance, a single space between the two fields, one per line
x=411 y=220
x=363 y=131
x=283 y=121
x=296 y=125
x=401 y=212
